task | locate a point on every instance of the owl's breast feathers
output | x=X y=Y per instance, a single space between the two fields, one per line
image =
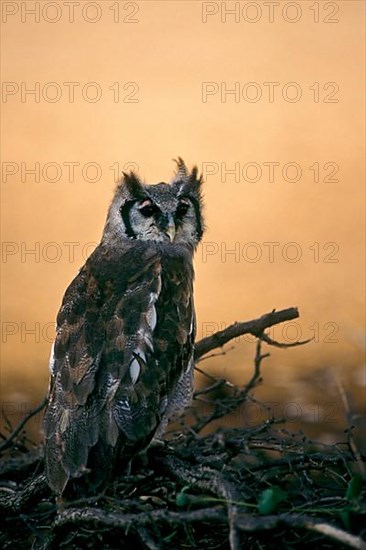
x=122 y=358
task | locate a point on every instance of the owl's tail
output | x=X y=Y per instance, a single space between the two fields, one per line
x=81 y=450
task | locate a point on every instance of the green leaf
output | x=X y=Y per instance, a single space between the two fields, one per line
x=346 y=518
x=181 y=499
x=354 y=487
x=269 y=499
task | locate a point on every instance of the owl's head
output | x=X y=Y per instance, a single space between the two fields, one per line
x=164 y=213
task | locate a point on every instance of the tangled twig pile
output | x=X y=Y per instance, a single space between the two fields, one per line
x=233 y=488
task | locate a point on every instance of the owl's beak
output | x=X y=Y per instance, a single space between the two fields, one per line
x=170 y=229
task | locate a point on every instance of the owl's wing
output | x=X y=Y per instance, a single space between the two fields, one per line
x=104 y=327
x=166 y=381
x=176 y=333
x=163 y=355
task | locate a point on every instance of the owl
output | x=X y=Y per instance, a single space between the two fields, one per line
x=122 y=361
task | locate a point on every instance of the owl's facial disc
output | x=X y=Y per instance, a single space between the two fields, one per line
x=170 y=214
x=156 y=221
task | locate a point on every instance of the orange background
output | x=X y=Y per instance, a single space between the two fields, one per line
x=167 y=51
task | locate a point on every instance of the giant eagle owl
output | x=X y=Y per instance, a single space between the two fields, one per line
x=122 y=362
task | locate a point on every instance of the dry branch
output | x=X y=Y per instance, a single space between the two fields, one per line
x=244 y=522
x=21 y=425
x=79 y=516
x=227 y=405
x=249 y=523
x=256 y=327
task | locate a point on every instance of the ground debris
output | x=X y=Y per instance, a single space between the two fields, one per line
x=259 y=487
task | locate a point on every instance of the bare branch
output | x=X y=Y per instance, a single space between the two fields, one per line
x=229 y=404
x=79 y=516
x=256 y=327
x=21 y=424
x=283 y=345
x=248 y=523
x=244 y=522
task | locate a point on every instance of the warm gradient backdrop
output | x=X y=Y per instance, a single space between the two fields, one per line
x=149 y=81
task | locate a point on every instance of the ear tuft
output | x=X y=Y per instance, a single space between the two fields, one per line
x=182 y=172
x=184 y=178
x=193 y=178
x=190 y=182
x=133 y=185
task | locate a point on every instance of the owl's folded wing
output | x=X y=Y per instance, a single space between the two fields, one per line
x=104 y=329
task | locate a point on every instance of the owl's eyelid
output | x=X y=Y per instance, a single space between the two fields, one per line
x=146 y=202
x=184 y=199
x=184 y=203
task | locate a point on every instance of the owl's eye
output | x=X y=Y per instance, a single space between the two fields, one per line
x=182 y=209
x=148 y=208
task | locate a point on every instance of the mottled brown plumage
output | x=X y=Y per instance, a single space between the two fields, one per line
x=122 y=361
